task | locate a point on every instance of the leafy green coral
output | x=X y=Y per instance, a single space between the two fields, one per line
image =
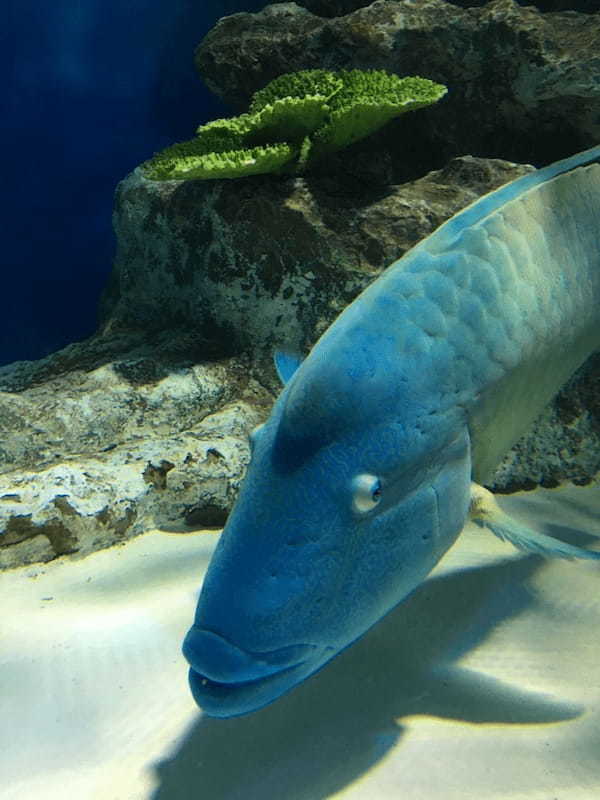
x=367 y=101
x=317 y=83
x=297 y=118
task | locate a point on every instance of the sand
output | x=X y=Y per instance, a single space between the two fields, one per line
x=485 y=683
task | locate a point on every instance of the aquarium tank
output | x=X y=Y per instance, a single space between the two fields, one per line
x=300 y=400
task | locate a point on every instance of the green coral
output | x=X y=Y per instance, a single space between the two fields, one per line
x=297 y=118
x=367 y=101
x=319 y=83
x=220 y=150
x=190 y=160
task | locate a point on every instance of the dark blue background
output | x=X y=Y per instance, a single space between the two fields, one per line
x=92 y=87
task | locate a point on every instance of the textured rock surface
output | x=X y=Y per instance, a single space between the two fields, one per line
x=110 y=448
x=146 y=423
x=522 y=84
x=337 y=8
x=564 y=442
x=269 y=262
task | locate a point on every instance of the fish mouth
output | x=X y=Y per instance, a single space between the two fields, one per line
x=227 y=681
x=225 y=700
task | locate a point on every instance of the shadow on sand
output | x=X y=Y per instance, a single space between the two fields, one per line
x=334 y=727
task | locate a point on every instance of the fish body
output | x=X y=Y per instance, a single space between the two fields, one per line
x=370 y=462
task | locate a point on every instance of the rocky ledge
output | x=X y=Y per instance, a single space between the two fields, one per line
x=146 y=423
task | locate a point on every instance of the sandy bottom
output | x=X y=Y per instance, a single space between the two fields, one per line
x=484 y=684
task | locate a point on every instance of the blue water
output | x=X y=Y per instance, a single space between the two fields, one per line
x=92 y=87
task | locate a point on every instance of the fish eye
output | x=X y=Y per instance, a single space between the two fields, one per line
x=366 y=492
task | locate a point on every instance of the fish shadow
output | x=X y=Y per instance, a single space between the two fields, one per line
x=333 y=728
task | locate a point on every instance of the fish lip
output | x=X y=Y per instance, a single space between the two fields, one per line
x=222 y=662
x=250 y=683
x=227 y=681
x=234 y=699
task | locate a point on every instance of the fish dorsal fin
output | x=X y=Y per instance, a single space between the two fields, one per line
x=474 y=213
x=286 y=364
x=486 y=512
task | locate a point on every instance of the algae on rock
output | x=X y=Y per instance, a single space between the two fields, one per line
x=293 y=121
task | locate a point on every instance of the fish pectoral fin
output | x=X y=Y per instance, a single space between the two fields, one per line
x=286 y=364
x=485 y=511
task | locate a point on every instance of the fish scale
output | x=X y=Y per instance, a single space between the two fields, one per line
x=521 y=286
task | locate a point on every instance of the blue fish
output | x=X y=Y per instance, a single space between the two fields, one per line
x=374 y=454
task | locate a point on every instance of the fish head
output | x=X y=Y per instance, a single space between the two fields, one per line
x=344 y=509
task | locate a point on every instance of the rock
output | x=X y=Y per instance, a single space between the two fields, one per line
x=270 y=262
x=564 y=442
x=522 y=85
x=146 y=423
x=280 y=258
x=330 y=8
x=337 y=8
x=104 y=451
